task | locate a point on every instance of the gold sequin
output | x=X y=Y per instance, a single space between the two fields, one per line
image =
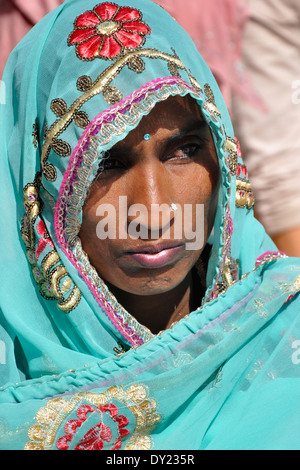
x=244 y=194
x=136 y=64
x=108 y=27
x=84 y=83
x=260 y=308
x=210 y=104
x=232 y=158
x=294 y=287
x=81 y=119
x=72 y=301
x=60 y=147
x=58 y=106
x=173 y=69
x=35 y=134
x=112 y=95
x=50 y=172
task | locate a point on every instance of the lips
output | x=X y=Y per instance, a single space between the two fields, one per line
x=155 y=256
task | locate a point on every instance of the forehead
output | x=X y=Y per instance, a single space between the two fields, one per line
x=175 y=113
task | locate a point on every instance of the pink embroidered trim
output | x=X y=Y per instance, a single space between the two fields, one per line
x=270 y=256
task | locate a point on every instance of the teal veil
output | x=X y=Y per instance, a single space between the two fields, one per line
x=77 y=371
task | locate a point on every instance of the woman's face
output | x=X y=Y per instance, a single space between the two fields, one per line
x=154 y=201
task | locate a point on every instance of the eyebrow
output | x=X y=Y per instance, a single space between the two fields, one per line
x=195 y=125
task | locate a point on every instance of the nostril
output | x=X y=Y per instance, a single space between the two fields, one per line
x=154 y=223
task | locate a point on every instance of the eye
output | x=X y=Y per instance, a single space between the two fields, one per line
x=188 y=150
x=111 y=164
x=108 y=165
x=185 y=152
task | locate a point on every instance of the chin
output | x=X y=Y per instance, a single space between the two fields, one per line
x=152 y=286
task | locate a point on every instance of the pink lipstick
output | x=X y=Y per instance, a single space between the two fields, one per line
x=156 y=256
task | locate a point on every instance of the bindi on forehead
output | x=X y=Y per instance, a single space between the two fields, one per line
x=176 y=116
x=160 y=139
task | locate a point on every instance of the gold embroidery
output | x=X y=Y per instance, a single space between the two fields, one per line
x=108 y=27
x=45 y=131
x=231 y=149
x=50 y=172
x=66 y=285
x=112 y=95
x=72 y=301
x=209 y=93
x=227 y=276
x=244 y=194
x=210 y=105
x=32 y=202
x=136 y=64
x=50 y=260
x=135 y=398
x=174 y=70
x=57 y=274
x=81 y=119
x=35 y=134
x=60 y=147
x=52 y=272
x=58 y=106
x=228 y=267
x=120 y=350
x=260 y=308
x=294 y=287
x=84 y=83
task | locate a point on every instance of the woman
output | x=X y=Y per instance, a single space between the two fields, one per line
x=122 y=328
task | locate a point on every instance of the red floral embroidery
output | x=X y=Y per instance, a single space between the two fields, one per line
x=41 y=229
x=241 y=170
x=238 y=148
x=98 y=434
x=107 y=30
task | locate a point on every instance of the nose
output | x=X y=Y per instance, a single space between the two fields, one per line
x=151 y=205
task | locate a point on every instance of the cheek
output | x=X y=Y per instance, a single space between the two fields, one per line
x=98 y=251
x=87 y=232
x=209 y=178
x=199 y=186
x=99 y=198
x=95 y=248
x=204 y=190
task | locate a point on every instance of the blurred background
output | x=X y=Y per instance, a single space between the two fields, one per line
x=17 y=17
x=253 y=50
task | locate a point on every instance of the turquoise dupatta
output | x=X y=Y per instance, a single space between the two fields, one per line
x=225 y=377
